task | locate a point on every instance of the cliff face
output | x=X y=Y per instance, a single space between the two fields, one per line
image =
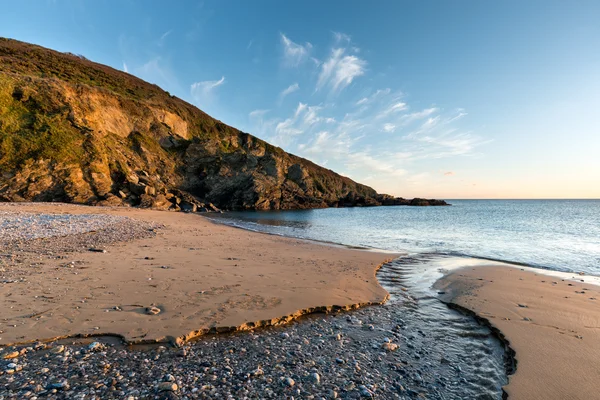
x=75 y=131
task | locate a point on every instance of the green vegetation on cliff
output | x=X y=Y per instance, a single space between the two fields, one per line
x=76 y=131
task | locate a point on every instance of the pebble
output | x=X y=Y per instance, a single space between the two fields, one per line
x=389 y=346
x=152 y=310
x=11 y=354
x=288 y=381
x=314 y=377
x=63 y=385
x=95 y=346
x=167 y=387
x=168 y=378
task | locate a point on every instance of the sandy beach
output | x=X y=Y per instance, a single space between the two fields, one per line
x=201 y=276
x=551 y=323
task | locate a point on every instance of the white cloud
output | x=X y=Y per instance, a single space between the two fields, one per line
x=158 y=71
x=394 y=108
x=370 y=99
x=125 y=67
x=311 y=117
x=289 y=90
x=163 y=37
x=419 y=115
x=301 y=107
x=294 y=54
x=389 y=128
x=430 y=123
x=341 y=37
x=258 y=113
x=340 y=70
x=202 y=91
x=287 y=128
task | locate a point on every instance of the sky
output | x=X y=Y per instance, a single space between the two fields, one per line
x=440 y=99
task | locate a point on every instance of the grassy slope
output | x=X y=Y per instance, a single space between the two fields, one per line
x=35 y=123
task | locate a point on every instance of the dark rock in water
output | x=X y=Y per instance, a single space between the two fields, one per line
x=111 y=139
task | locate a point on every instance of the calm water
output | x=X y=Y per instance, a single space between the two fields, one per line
x=556 y=234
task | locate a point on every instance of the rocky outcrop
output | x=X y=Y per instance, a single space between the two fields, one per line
x=75 y=131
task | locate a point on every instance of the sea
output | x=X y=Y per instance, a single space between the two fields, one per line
x=561 y=235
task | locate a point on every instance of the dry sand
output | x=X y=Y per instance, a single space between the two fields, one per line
x=552 y=324
x=201 y=275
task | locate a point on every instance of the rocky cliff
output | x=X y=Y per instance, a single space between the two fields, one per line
x=72 y=130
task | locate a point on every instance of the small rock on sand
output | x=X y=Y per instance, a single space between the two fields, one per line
x=152 y=310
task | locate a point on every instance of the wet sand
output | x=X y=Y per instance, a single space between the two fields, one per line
x=201 y=276
x=551 y=323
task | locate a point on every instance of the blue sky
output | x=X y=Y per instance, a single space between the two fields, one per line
x=469 y=99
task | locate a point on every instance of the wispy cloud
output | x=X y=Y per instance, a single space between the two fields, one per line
x=339 y=70
x=125 y=67
x=294 y=54
x=374 y=135
x=389 y=127
x=289 y=90
x=159 y=72
x=258 y=113
x=202 y=91
x=377 y=94
x=163 y=38
x=340 y=37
